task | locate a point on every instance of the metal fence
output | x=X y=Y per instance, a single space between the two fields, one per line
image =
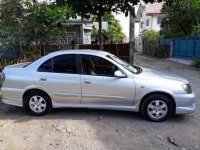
x=6 y=62
x=184 y=48
x=9 y=52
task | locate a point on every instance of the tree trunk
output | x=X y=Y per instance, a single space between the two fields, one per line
x=100 y=32
x=132 y=36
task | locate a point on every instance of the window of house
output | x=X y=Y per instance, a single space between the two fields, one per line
x=94 y=65
x=147 y=22
x=159 y=19
x=142 y=24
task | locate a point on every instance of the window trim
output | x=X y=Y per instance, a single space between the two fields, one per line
x=45 y=62
x=82 y=73
x=76 y=61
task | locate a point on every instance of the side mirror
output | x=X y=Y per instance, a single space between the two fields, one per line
x=119 y=74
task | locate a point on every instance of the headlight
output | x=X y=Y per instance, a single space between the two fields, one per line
x=187 y=88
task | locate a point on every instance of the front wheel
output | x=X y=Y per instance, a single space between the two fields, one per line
x=37 y=103
x=156 y=108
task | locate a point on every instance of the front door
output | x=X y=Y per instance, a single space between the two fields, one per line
x=100 y=87
x=59 y=77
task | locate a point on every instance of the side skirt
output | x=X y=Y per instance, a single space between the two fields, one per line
x=134 y=108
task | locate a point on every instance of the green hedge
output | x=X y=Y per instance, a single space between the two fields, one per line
x=161 y=51
x=196 y=63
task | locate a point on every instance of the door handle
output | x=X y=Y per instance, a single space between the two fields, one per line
x=87 y=82
x=43 y=79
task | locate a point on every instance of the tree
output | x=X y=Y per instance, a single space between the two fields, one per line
x=11 y=11
x=149 y=36
x=27 y=24
x=98 y=8
x=181 y=17
x=43 y=22
x=114 y=33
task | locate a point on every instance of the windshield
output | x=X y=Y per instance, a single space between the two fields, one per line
x=133 y=69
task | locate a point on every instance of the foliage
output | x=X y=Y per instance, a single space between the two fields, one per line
x=149 y=36
x=30 y=24
x=114 y=33
x=98 y=8
x=11 y=11
x=196 y=63
x=196 y=30
x=44 y=21
x=150 y=47
x=160 y=51
x=181 y=18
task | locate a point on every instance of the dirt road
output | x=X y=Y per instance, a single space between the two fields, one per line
x=86 y=129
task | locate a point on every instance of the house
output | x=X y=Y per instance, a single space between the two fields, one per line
x=149 y=17
x=79 y=31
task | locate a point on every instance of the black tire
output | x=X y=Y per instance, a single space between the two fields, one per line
x=145 y=108
x=47 y=102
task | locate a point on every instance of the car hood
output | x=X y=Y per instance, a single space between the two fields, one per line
x=150 y=73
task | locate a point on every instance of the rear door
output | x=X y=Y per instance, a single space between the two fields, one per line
x=59 y=77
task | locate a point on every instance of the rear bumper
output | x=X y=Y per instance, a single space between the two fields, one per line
x=185 y=103
x=12 y=96
x=12 y=102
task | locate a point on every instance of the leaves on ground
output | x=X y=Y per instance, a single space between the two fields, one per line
x=2 y=123
x=172 y=141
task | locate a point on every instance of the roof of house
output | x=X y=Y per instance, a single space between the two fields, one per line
x=150 y=8
x=154 y=8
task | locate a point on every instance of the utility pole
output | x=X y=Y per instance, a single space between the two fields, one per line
x=132 y=36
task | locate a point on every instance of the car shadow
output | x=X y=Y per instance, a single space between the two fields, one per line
x=18 y=115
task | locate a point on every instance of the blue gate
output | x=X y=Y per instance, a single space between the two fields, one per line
x=186 y=49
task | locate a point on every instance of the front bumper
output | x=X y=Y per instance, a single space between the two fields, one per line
x=185 y=103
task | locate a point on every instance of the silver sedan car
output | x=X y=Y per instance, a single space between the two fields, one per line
x=95 y=79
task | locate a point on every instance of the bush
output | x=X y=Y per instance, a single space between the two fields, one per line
x=151 y=47
x=149 y=36
x=160 y=51
x=196 y=63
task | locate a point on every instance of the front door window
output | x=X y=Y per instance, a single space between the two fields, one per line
x=94 y=65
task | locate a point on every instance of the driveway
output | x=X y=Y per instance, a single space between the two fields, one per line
x=103 y=129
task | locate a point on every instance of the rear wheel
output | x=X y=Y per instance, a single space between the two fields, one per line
x=156 y=108
x=37 y=103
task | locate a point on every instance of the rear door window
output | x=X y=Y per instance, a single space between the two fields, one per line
x=65 y=64
x=46 y=66
x=60 y=64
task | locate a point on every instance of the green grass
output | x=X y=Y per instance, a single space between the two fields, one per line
x=196 y=63
x=2 y=123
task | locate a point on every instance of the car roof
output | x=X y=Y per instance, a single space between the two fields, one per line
x=82 y=51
